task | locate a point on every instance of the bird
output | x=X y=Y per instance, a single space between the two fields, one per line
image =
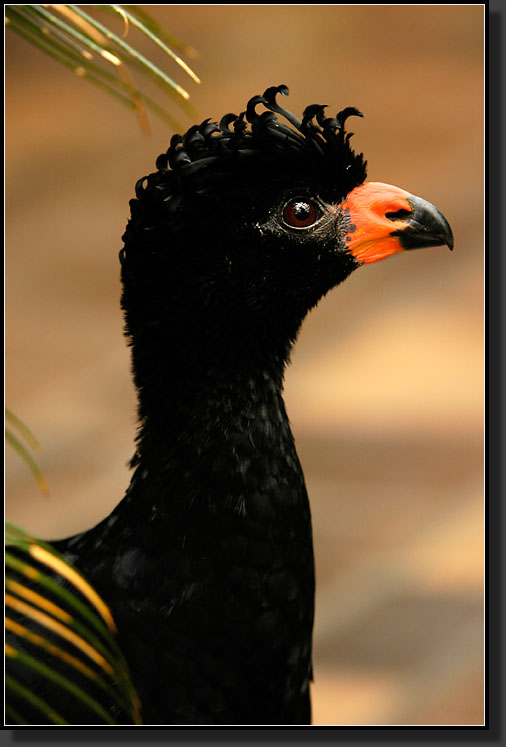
x=207 y=562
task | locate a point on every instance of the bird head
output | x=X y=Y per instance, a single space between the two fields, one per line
x=248 y=222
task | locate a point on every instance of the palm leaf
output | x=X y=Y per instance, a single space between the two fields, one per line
x=79 y=41
x=26 y=695
x=159 y=30
x=22 y=449
x=53 y=616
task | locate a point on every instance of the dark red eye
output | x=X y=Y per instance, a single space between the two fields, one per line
x=300 y=213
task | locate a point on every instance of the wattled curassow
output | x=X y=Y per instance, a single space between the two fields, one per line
x=207 y=562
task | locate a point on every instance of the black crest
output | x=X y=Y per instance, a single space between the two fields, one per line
x=316 y=142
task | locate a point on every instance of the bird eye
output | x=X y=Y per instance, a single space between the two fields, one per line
x=300 y=213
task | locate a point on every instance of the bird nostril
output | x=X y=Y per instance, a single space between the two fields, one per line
x=401 y=214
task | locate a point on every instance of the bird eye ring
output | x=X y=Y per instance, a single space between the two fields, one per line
x=300 y=213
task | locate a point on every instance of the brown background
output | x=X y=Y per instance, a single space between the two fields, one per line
x=385 y=392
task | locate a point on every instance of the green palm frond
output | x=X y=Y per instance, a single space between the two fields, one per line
x=54 y=616
x=23 y=450
x=73 y=37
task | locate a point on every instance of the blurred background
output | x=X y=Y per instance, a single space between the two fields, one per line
x=385 y=392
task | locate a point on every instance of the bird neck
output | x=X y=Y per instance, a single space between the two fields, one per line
x=213 y=407
x=213 y=424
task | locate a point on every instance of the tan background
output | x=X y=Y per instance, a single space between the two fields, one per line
x=385 y=392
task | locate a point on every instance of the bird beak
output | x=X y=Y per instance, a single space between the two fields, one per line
x=384 y=219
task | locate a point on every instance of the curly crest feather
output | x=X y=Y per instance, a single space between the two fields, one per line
x=316 y=138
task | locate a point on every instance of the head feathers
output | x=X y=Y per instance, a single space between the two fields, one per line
x=316 y=142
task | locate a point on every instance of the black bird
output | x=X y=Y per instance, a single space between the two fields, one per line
x=207 y=562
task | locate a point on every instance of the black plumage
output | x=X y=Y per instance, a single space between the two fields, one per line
x=207 y=562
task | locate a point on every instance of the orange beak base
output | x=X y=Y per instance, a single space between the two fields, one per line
x=384 y=220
